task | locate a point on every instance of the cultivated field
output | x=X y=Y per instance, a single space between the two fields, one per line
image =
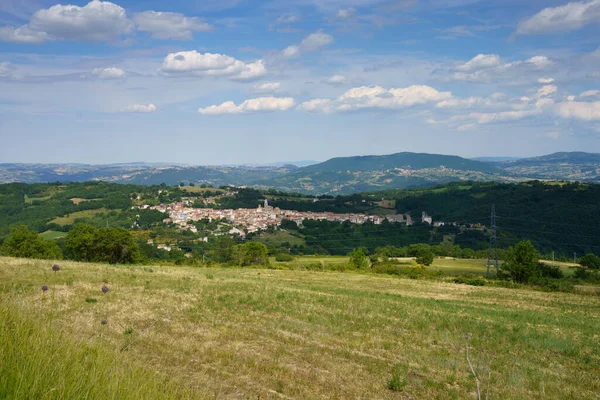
x=249 y=333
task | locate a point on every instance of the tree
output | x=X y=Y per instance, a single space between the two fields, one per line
x=521 y=263
x=81 y=242
x=252 y=253
x=359 y=259
x=224 y=251
x=590 y=260
x=116 y=246
x=23 y=243
x=424 y=256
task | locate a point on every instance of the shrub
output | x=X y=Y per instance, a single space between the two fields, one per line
x=590 y=260
x=283 y=257
x=550 y=271
x=553 y=285
x=359 y=259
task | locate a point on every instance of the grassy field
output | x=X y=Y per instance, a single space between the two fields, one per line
x=70 y=219
x=252 y=333
x=53 y=235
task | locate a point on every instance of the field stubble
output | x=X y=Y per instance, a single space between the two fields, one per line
x=239 y=333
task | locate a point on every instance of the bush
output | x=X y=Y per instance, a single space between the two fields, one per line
x=284 y=257
x=553 y=285
x=590 y=260
x=550 y=271
x=27 y=244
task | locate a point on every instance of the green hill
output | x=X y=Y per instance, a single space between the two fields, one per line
x=558 y=166
x=345 y=175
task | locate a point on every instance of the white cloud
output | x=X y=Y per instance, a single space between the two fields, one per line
x=377 y=97
x=170 y=25
x=346 y=13
x=547 y=90
x=261 y=104
x=22 y=35
x=571 y=16
x=484 y=68
x=337 y=80
x=588 y=111
x=313 y=42
x=268 y=87
x=141 y=108
x=109 y=73
x=95 y=22
x=208 y=64
x=545 y=80
x=590 y=93
x=481 y=61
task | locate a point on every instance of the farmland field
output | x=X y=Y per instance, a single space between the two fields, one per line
x=69 y=219
x=249 y=333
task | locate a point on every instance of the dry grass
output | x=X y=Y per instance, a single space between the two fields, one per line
x=247 y=333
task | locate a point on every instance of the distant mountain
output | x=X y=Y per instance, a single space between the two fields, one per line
x=345 y=175
x=342 y=175
x=495 y=159
x=572 y=166
x=139 y=173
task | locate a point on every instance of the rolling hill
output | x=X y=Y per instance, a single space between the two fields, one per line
x=342 y=175
x=367 y=173
x=571 y=166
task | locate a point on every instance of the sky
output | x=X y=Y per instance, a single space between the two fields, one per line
x=247 y=81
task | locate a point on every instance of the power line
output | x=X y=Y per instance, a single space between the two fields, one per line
x=493 y=250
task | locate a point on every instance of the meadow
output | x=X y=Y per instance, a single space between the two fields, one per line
x=189 y=332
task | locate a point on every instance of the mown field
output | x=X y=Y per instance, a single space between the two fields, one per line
x=184 y=332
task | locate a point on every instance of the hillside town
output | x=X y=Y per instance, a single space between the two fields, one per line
x=249 y=220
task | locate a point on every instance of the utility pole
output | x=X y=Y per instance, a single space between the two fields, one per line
x=575 y=258
x=552 y=255
x=493 y=250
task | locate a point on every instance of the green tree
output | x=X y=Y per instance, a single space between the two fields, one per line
x=23 y=243
x=521 y=263
x=252 y=253
x=116 y=246
x=359 y=259
x=81 y=243
x=424 y=256
x=224 y=251
x=590 y=260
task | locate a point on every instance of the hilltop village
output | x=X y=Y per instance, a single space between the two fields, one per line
x=250 y=220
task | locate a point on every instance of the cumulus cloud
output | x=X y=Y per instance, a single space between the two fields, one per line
x=590 y=93
x=313 y=42
x=546 y=91
x=483 y=118
x=571 y=16
x=261 y=104
x=545 y=80
x=480 y=61
x=141 y=108
x=337 y=80
x=109 y=73
x=22 y=35
x=268 y=87
x=97 y=21
x=377 y=97
x=169 y=25
x=586 y=111
x=192 y=63
x=485 y=67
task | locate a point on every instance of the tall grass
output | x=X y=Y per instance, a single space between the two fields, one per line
x=38 y=363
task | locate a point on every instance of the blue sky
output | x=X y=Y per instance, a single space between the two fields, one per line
x=239 y=81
